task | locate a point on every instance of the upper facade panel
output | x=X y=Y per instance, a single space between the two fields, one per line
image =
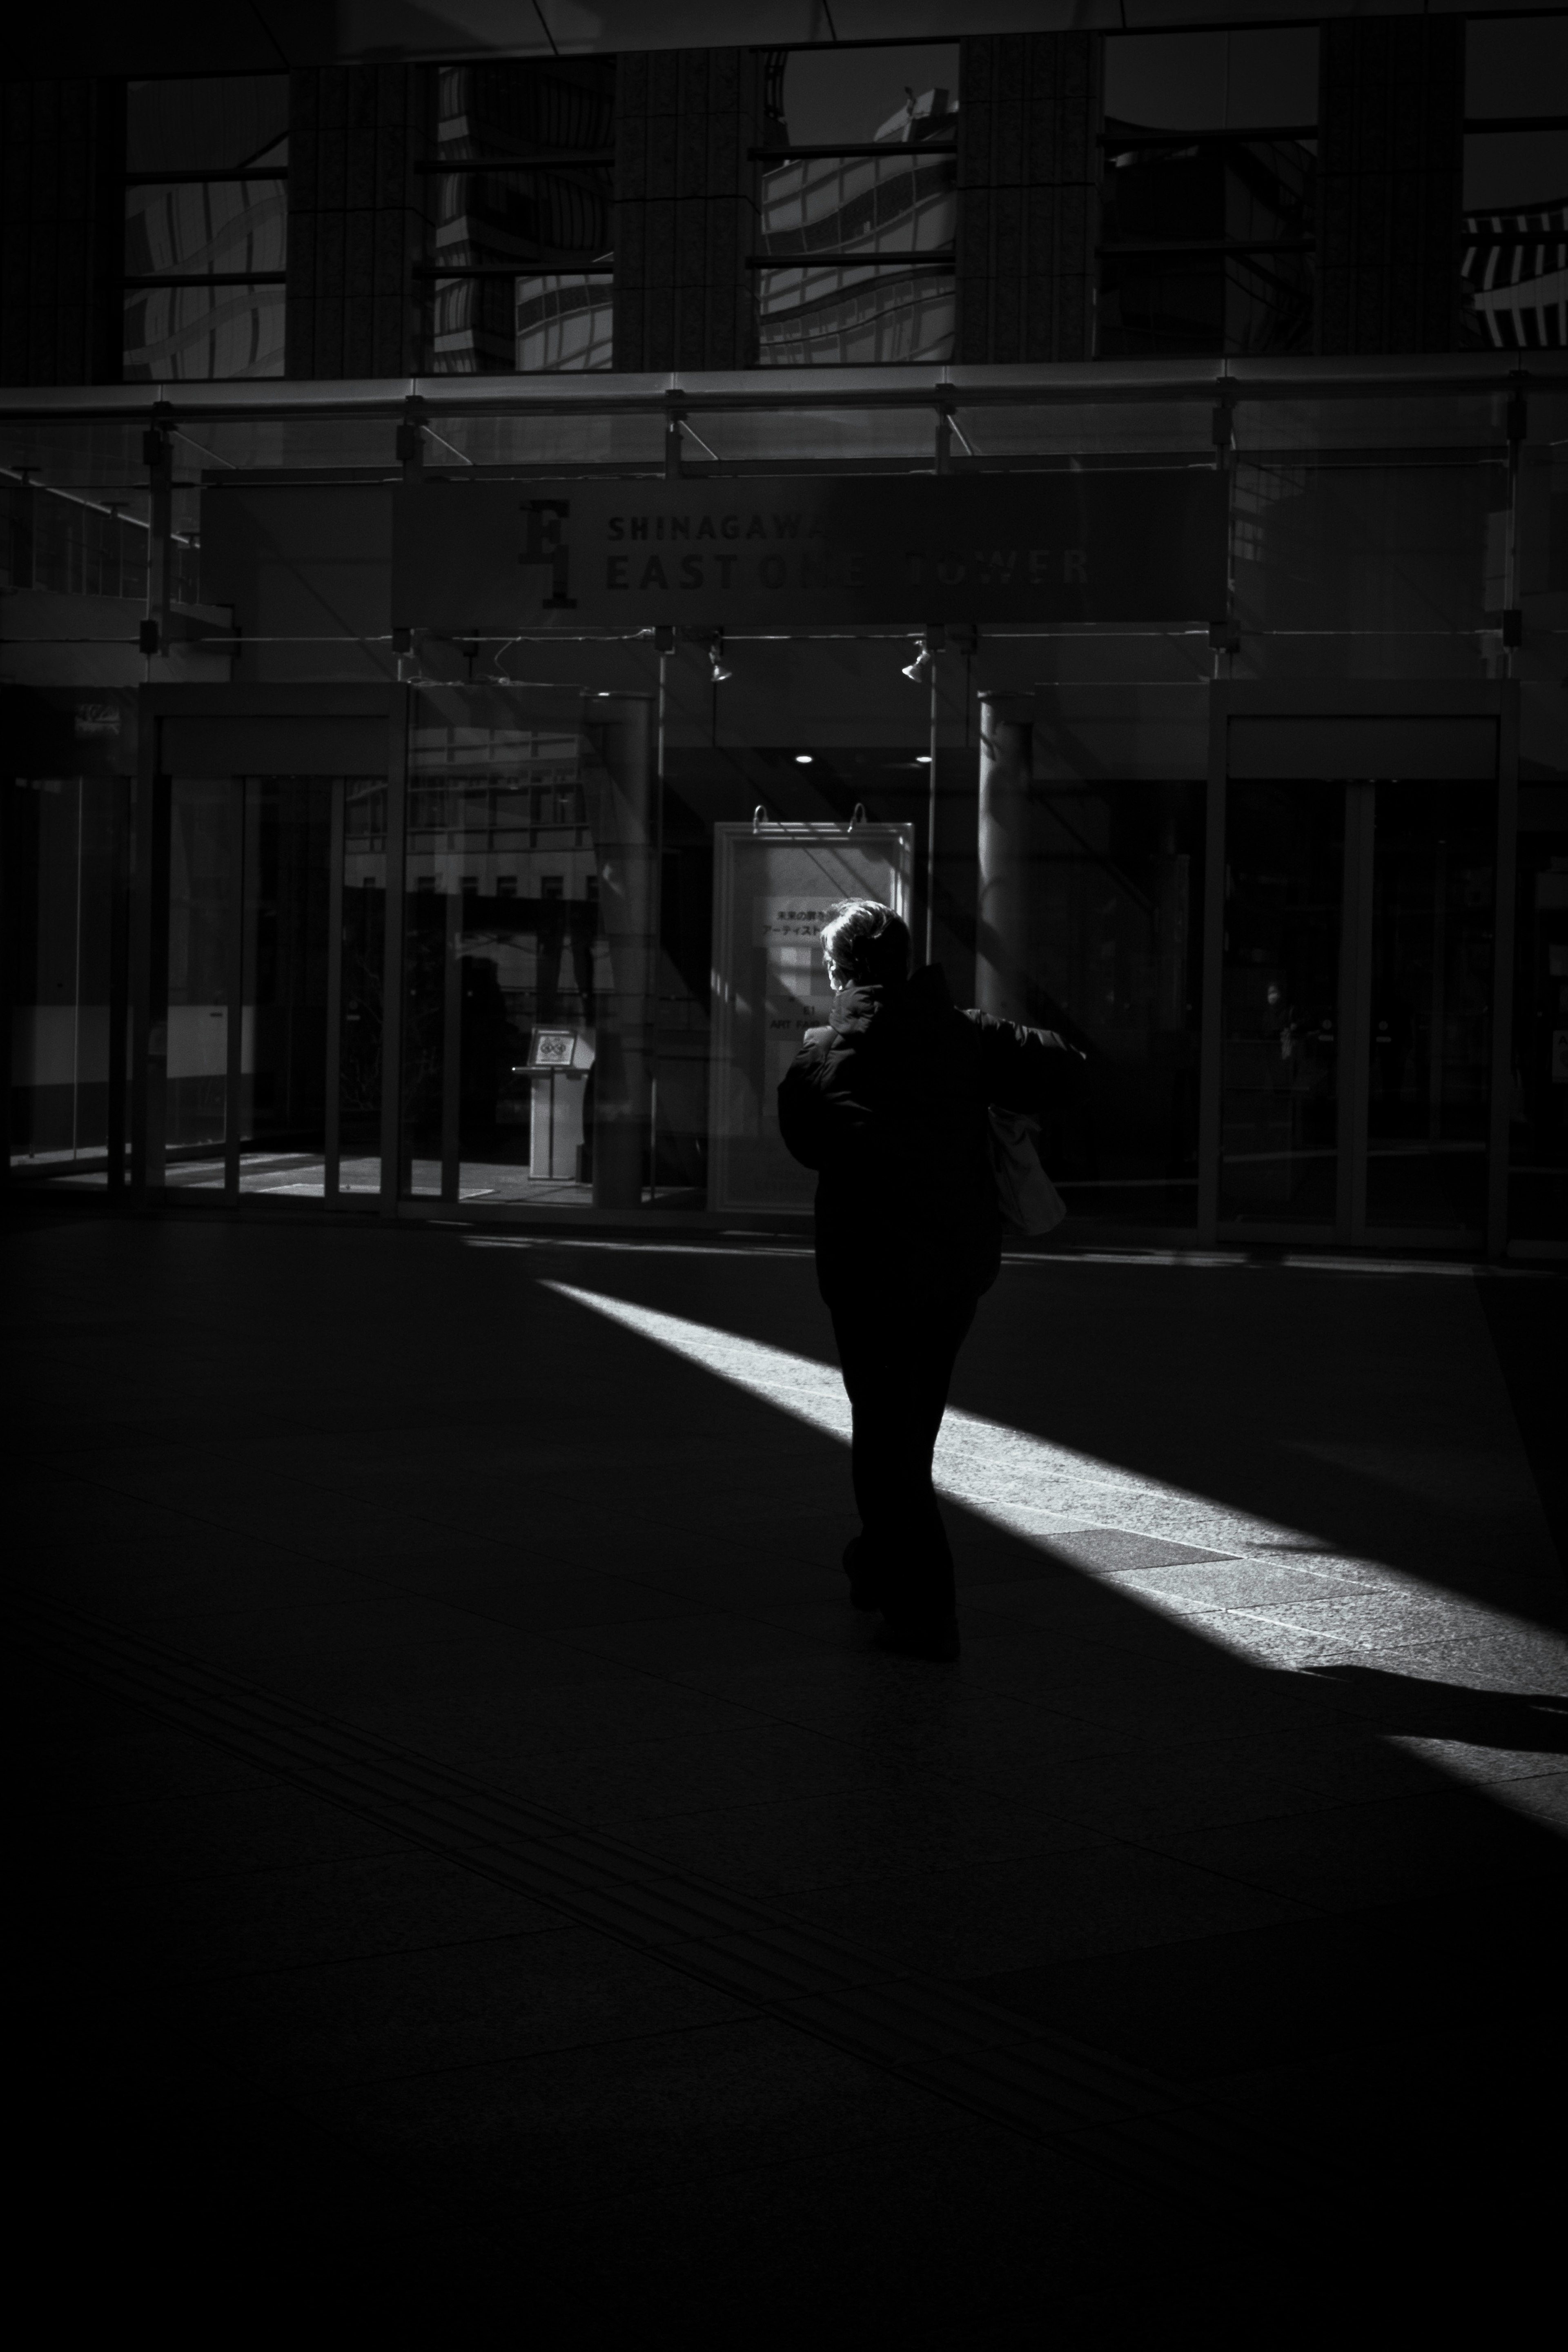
x=1341 y=186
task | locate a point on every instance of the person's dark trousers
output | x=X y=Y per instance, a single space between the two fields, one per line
x=897 y=1363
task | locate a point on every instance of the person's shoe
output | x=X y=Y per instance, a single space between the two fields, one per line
x=864 y=1590
x=935 y=1638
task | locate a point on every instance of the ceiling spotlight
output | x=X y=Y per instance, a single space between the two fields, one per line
x=803 y=758
x=919 y=669
x=718 y=669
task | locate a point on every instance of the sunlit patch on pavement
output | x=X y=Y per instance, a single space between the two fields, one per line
x=1296 y=1602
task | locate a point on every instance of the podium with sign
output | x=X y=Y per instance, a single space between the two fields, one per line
x=558 y=1062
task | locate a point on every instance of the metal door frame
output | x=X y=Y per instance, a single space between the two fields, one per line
x=1352 y=700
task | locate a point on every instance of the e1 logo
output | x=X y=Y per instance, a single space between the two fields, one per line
x=545 y=544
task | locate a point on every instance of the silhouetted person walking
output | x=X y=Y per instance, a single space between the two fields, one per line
x=890 y=1104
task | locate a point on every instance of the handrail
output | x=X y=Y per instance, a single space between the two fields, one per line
x=1074 y=383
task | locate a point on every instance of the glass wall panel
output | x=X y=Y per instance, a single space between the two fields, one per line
x=529 y=929
x=1515 y=257
x=1435 y=851
x=1280 y=1003
x=65 y=847
x=1457 y=417
x=1068 y=430
x=221 y=124
x=836 y=436
x=193 y=229
x=251 y=899
x=1256 y=197
x=1206 y=240
x=565 y=322
x=522 y=181
x=538 y=442
x=287 y=889
x=362 y=945
x=1118 y=931
x=824 y=213
x=218 y=221
x=1355 y=571
x=206 y=858
x=1538 y=1114
x=198 y=332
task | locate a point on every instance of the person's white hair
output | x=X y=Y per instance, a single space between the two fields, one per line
x=864 y=943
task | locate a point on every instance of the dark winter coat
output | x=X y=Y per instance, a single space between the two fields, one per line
x=888 y=1104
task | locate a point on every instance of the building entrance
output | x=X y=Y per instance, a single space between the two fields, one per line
x=1357 y=989
x=271 y=1074
x=259 y=945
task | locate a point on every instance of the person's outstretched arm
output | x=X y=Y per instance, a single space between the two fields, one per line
x=1029 y=1070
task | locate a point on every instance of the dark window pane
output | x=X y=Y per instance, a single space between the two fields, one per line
x=852 y=94
x=202 y=229
x=1213 y=81
x=536 y=214
x=223 y=125
x=1280 y=1004
x=1429 y=1088
x=203 y=332
x=1112 y=956
x=1155 y=305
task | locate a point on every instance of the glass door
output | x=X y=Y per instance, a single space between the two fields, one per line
x=1356 y=1009
x=1428 y=1077
x=1280 y=1020
x=67 y=863
x=276 y=914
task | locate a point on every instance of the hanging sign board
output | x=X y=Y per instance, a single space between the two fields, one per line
x=796 y=550
x=774 y=886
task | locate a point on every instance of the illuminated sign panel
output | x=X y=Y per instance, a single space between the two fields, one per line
x=794 y=551
x=774 y=886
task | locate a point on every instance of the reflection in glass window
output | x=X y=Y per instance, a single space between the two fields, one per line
x=1538 y=1108
x=203 y=333
x=64 y=833
x=815 y=309
x=1514 y=262
x=206 y=228
x=1280 y=1013
x=519 y=256
x=1116 y=930
x=203 y=844
x=1434 y=891
x=565 y=323
x=1207 y=238
x=1515 y=269
x=510 y=973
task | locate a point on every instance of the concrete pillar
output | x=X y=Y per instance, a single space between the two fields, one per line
x=357 y=224
x=1002 y=959
x=620 y=787
x=686 y=197
x=1390 y=158
x=1028 y=195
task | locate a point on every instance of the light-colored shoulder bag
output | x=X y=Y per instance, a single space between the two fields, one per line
x=1025 y=1193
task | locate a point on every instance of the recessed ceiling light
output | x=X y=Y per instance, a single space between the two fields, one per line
x=803 y=758
x=922 y=759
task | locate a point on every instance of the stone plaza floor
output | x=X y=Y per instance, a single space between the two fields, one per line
x=481 y=1877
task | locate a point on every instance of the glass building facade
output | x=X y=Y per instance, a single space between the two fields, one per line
x=424 y=786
